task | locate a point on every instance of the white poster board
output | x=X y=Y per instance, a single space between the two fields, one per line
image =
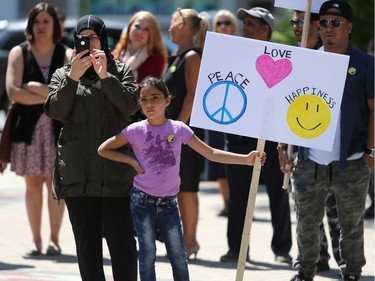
x=269 y=91
x=299 y=5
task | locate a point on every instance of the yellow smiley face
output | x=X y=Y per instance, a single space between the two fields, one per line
x=308 y=116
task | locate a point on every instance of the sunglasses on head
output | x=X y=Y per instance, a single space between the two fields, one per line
x=298 y=22
x=226 y=23
x=325 y=23
x=180 y=13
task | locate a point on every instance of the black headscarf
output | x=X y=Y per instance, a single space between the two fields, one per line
x=97 y=25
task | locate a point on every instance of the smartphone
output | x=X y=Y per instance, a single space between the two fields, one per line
x=82 y=43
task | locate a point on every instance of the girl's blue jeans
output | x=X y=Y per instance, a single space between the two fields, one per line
x=149 y=212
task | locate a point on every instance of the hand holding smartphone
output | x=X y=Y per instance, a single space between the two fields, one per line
x=82 y=43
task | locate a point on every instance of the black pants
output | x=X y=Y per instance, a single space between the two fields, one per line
x=239 y=178
x=95 y=218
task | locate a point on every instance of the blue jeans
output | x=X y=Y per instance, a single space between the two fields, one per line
x=148 y=212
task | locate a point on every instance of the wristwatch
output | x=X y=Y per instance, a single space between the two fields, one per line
x=370 y=151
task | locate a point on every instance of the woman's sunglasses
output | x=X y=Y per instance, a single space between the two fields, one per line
x=334 y=23
x=226 y=23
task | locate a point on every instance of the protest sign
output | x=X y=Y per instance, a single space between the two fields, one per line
x=269 y=91
x=299 y=4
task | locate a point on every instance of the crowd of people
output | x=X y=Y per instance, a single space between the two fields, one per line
x=106 y=132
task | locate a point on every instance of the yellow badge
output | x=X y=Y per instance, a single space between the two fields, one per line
x=171 y=138
x=352 y=70
x=172 y=69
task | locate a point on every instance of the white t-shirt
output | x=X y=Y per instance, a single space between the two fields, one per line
x=323 y=157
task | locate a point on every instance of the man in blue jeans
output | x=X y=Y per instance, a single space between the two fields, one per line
x=346 y=169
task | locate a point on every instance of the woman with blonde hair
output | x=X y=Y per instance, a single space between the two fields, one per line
x=141 y=46
x=187 y=30
x=225 y=22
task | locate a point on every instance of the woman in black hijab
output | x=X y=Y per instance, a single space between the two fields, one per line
x=93 y=98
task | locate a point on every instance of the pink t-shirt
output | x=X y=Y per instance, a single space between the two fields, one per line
x=158 y=150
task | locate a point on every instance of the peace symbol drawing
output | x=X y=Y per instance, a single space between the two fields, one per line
x=224 y=102
x=273 y=72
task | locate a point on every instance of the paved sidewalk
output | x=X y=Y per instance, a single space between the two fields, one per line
x=15 y=240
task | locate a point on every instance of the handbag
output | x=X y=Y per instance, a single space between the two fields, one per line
x=5 y=139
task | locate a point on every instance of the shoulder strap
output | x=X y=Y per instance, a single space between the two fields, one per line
x=58 y=59
x=188 y=50
x=23 y=46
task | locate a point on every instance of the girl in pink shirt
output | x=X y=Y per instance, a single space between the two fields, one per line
x=157 y=143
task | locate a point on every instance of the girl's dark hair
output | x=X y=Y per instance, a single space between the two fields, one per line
x=154 y=82
x=43 y=7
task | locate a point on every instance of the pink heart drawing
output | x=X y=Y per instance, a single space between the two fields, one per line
x=272 y=72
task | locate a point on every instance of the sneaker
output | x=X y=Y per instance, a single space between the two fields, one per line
x=300 y=277
x=348 y=277
x=296 y=264
x=322 y=266
x=232 y=256
x=286 y=258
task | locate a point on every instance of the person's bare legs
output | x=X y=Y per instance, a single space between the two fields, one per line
x=34 y=203
x=56 y=214
x=224 y=191
x=189 y=210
